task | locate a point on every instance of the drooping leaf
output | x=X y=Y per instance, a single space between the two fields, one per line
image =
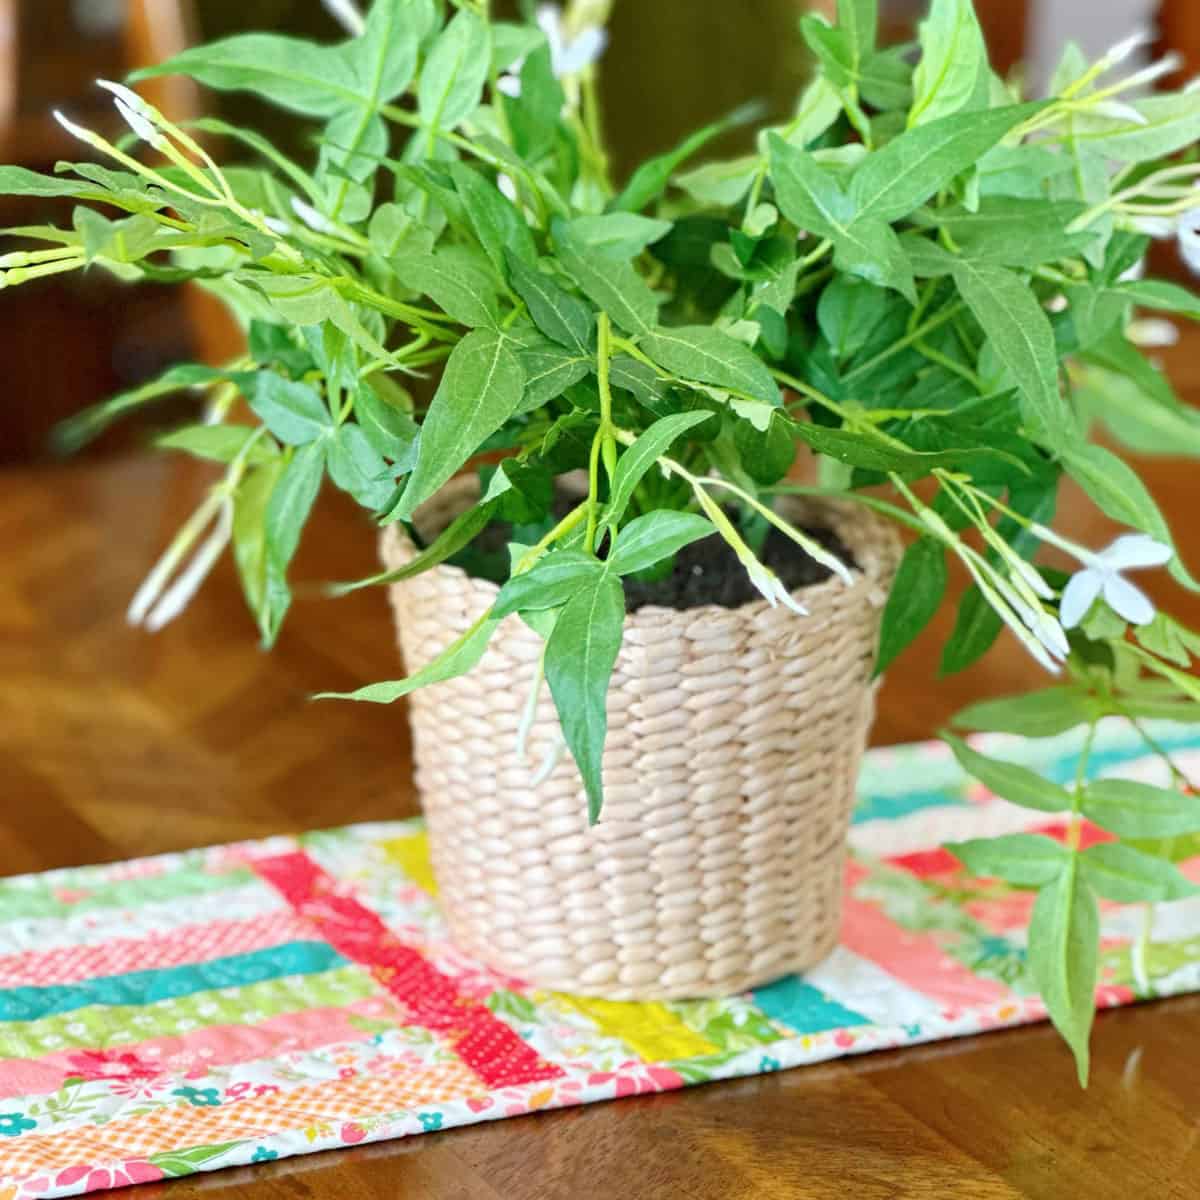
x=649 y=539
x=1139 y=810
x=1022 y=859
x=1121 y=873
x=267 y=602
x=915 y=597
x=359 y=469
x=623 y=235
x=389 y=428
x=849 y=312
x=461 y=656
x=480 y=389
x=1010 y=781
x=1064 y=936
x=501 y=229
x=580 y=656
x=707 y=355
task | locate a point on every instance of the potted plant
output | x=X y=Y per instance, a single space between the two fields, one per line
x=654 y=648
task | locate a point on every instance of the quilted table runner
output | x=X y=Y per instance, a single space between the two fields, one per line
x=244 y=1003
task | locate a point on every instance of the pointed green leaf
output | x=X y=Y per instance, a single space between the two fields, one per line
x=461 y=656
x=1126 y=875
x=457 y=282
x=613 y=286
x=642 y=455
x=705 y=354
x=1020 y=333
x=580 y=656
x=499 y=226
x=953 y=58
x=562 y=317
x=915 y=597
x=647 y=540
x=291 y=503
x=1138 y=810
x=1039 y=714
x=358 y=468
x=1022 y=859
x=220 y=443
x=553 y=581
x=1014 y=783
x=621 y=234
x=480 y=389
x=899 y=178
x=859 y=20
x=293 y=412
x=549 y=370
x=453 y=76
x=1064 y=939
x=250 y=548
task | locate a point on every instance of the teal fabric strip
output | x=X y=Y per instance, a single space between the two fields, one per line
x=149 y=987
x=804 y=1008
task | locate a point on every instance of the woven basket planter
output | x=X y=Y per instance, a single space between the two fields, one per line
x=729 y=774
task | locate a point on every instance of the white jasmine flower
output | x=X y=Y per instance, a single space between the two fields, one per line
x=1142 y=36
x=1101 y=576
x=508 y=189
x=316 y=221
x=138 y=115
x=1152 y=333
x=78 y=131
x=348 y=15
x=771 y=586
x=581 y=52
x=275 y=225
x=1185 y=227
x=510 y=82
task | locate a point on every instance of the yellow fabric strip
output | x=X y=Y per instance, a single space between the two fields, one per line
x=652 y=1031
x=411 y=855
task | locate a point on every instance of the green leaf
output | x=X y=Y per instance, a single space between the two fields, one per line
x=834 y=51
x=358 y=468
x=1022 y=859
x=75 y=432
x=767 y=454
x=1064 y=939
x=19 y=181
x=480 y=389
x=268 y=604
x=872 y=251
x=1166 y=297
x=1014 y=783
x=1039 y=714
x=859 y=21
x=461 y=656
x=705 y=354
x=562 y=317
x=872 y=451
x=549 y=371
x=849 y=312
x=389 y=428
x=292 y=411
x=501 y=229
x=1020 y=333
x=1165 y=125
x=312 y=300
x=291 y=503
x=623 y=235
x=1010 y=231
x=722 y=184
x=894 y=181
x=456 y=281
x=647 y=540
x=642 y=455
x=915 y=596
x=452 y=79
x=808 y=194
x=553 y=581
x=1128 y=876
x=580 y=656
x=613 y=286
x=220 y=443
x=953 y=60
x=458 y=534
x=650 y=180
x=1138 y=810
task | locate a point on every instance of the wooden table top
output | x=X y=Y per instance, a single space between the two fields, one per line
x=115 y=744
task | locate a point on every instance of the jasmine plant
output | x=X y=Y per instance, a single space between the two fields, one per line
x=923 y=278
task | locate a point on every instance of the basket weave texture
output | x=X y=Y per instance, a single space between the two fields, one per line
x=729 y=775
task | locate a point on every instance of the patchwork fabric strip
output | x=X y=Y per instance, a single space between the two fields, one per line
x=245 y=1003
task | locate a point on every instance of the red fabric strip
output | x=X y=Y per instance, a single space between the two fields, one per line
x=489 y=1047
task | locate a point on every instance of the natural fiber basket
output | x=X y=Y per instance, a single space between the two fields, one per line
x=729 y=777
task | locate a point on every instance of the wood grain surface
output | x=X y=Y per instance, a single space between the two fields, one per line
x=114 y=743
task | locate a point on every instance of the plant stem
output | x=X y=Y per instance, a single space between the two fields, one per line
x=569 y=522
x=1076 y=828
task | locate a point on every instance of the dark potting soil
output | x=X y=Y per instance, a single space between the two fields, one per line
x=706 y=572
